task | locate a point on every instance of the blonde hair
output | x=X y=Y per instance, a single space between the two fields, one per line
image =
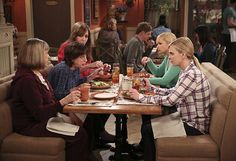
x=185 y=45
x=32 y=54
x=168 y=37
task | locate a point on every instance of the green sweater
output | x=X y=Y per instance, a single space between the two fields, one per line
x=166 y=75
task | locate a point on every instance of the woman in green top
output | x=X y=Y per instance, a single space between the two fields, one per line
x=166 y=75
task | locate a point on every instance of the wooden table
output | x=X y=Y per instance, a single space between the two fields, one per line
x=120 y=112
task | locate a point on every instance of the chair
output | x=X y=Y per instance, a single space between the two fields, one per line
x=220 y=57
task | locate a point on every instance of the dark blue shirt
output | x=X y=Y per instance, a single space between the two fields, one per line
x=62 y=79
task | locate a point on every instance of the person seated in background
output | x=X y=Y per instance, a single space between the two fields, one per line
x=65 y=77
x=135 y=47
x=160 y=28
x=108 y=42
x=192 y=84
x=207 y=48
x=166 y=75
x=34 y=102
x=81 y=33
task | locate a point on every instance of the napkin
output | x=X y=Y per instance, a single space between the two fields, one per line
x=62 y=125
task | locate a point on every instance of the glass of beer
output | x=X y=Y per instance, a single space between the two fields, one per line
x=130 y=70
x=115 y=73
x=84 y=92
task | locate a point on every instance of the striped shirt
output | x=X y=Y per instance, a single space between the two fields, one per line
x=191 y=95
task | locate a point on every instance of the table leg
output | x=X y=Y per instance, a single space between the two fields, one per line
x=122 y=146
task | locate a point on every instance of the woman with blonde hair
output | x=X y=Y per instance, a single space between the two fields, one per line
x=34 y=102
x=166 y=75
x=191 y=96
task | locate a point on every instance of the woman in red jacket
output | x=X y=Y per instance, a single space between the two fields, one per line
x=81 y=33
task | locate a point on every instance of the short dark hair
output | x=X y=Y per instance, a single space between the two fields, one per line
x=73 y=51
x=143 y=26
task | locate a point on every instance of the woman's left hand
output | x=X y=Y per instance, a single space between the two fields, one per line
x=134 y=94
x=106 y=68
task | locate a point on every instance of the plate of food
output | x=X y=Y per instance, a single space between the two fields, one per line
x=104 y=95
x=142 y=75
x=100 y=85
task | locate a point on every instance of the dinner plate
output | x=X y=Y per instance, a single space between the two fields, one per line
x=100 y=87
x=104 y=95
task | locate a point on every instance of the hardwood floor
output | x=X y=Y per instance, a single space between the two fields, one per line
x=133 y=125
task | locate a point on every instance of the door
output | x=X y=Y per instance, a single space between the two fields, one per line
x=52 y=20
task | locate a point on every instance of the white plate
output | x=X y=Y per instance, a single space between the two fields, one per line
x=105 y=95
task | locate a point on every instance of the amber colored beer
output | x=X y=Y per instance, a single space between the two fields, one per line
x=84 y=93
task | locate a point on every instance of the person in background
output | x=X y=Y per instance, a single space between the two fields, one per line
x=207 y=49
x=34 y=102
x=135 y=47
x=166 y=75
x=65 y=77
x=108 y=43
x=81 y=33
x=229 y=21
x=160 y=28
x=192 y=84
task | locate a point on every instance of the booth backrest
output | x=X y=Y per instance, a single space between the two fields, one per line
x=223 y=121
x=5 y=111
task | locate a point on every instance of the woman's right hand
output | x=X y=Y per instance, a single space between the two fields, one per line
x=73 y=96
x=145 y=60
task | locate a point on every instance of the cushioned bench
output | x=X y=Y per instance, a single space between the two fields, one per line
x=16 y=147
x=219 y=145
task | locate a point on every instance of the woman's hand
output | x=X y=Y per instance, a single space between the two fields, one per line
x=73 y=96
x=75 y=120
x=134 y=94
x=96 y=64
x=145 y=60
x=94 y=74
x=147 y=82
x=106 y=68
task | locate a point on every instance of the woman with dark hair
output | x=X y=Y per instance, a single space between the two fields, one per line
x=65 y=77
x=207 y=49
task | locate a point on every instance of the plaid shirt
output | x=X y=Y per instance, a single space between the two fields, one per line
x=191 y=95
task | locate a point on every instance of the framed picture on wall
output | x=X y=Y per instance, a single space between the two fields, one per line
x=87 y=15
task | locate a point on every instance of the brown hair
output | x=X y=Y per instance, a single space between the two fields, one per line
x=185 y=45
x=79 y=29
x=32 y=54
x=143 y=26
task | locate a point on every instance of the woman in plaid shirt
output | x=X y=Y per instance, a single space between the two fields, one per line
x=191 y=95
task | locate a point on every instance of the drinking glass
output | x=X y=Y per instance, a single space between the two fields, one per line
x=115 y=73
x=130 y=70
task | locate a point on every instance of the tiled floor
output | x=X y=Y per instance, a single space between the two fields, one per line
x=133 y=125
